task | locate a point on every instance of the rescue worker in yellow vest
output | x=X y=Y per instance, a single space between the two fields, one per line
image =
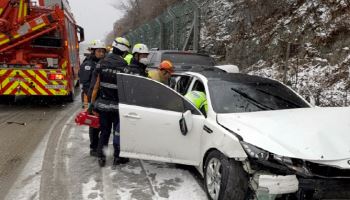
x=163 y=73
x=199 y=99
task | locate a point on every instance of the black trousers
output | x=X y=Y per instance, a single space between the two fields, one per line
x=108 y=120
x=94 y=134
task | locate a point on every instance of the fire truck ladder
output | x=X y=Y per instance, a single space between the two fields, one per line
x=23 y=30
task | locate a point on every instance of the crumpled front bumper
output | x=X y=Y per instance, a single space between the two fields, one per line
x=269 y=187
x=325 y=188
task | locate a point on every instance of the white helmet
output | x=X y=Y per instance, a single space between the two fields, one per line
x=97 y=44
x=121 y=43
x=140 y=48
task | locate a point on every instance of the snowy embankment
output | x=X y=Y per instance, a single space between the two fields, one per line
x=310 y=37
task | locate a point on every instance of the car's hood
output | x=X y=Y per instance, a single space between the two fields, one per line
x=307 y=133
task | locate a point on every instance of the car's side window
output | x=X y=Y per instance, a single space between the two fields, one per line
x=198 y=86
x=147 y=93
x=158 y=57
x=180 y=83
x=153 y=58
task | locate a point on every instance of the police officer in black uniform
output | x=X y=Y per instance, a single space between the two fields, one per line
x=140 y=60
x=98 y=50
x=107 y=101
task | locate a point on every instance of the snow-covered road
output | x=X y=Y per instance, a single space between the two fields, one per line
x=67 y=171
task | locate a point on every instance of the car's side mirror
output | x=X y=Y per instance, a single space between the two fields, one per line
x=183 y=126
x=186 y=122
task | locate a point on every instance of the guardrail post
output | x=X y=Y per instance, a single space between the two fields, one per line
x=175 y=29
x=161 y=33
x=196 y=24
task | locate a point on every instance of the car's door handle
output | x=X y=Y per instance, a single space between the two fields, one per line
x=207 y=129
x=132 y=116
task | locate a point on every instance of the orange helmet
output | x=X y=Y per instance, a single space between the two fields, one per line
x=166 y=65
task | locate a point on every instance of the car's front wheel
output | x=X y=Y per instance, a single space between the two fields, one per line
x=224 y=178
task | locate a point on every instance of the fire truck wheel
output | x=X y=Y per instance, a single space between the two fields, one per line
x=70 y=97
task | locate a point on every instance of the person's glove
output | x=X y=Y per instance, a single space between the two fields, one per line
x=90 y=108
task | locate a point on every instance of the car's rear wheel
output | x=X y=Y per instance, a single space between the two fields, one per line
x=224 y=178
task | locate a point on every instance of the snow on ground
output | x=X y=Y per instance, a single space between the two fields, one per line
x=170 y=182
x=86 y=180
x=135 y=180
x=27 y=185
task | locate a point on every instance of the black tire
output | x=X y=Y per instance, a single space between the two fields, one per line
x=234 y=180
x=70 y=97
x=4 y=99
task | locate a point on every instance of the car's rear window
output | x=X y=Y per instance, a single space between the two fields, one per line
x=188 y=59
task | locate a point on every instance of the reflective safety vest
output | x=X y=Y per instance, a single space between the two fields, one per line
x=154 y=74
x=128 y=58
x=198 y=99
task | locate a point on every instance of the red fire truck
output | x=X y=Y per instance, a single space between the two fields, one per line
x=39 y=48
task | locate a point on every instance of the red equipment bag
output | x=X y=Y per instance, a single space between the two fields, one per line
x=84 y=118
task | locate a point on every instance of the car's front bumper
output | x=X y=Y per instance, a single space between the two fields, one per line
x=269 y=187
x=325 y=188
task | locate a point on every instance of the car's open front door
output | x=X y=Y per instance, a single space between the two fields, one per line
x=157 y=123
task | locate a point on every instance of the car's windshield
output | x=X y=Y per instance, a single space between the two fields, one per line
x=230 y=97
x=188 y=59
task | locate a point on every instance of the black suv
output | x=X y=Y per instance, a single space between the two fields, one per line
x=182 y=60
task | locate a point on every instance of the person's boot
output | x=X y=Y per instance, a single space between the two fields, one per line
x=120 y=160
x=93 y=153
x=124 y=160
x=102 y=161
x=116 y=162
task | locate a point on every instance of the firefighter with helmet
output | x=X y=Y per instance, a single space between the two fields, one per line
x=97 y=52
x=140 y=60
x=107 y=102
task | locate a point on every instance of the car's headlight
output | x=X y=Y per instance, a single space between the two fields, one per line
x=263 y=155
x=282 y=159
x=294 y=164
x=255 y=152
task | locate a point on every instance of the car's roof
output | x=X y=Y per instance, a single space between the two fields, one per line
x=234 y=77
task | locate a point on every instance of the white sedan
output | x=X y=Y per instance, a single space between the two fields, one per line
x=258 y=140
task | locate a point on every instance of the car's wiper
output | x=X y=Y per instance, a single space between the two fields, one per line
x=252 y=100
x=280 y=98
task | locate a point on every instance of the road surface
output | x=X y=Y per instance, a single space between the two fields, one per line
x=44 y=155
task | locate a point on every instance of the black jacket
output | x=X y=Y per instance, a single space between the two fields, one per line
x=107 y=70
x=86 y=70
x=137 y=68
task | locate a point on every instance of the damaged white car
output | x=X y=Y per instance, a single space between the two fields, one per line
x=258 y=140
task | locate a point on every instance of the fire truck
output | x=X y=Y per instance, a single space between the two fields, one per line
x=39 y=48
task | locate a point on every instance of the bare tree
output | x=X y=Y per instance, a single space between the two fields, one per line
x=137 y=12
